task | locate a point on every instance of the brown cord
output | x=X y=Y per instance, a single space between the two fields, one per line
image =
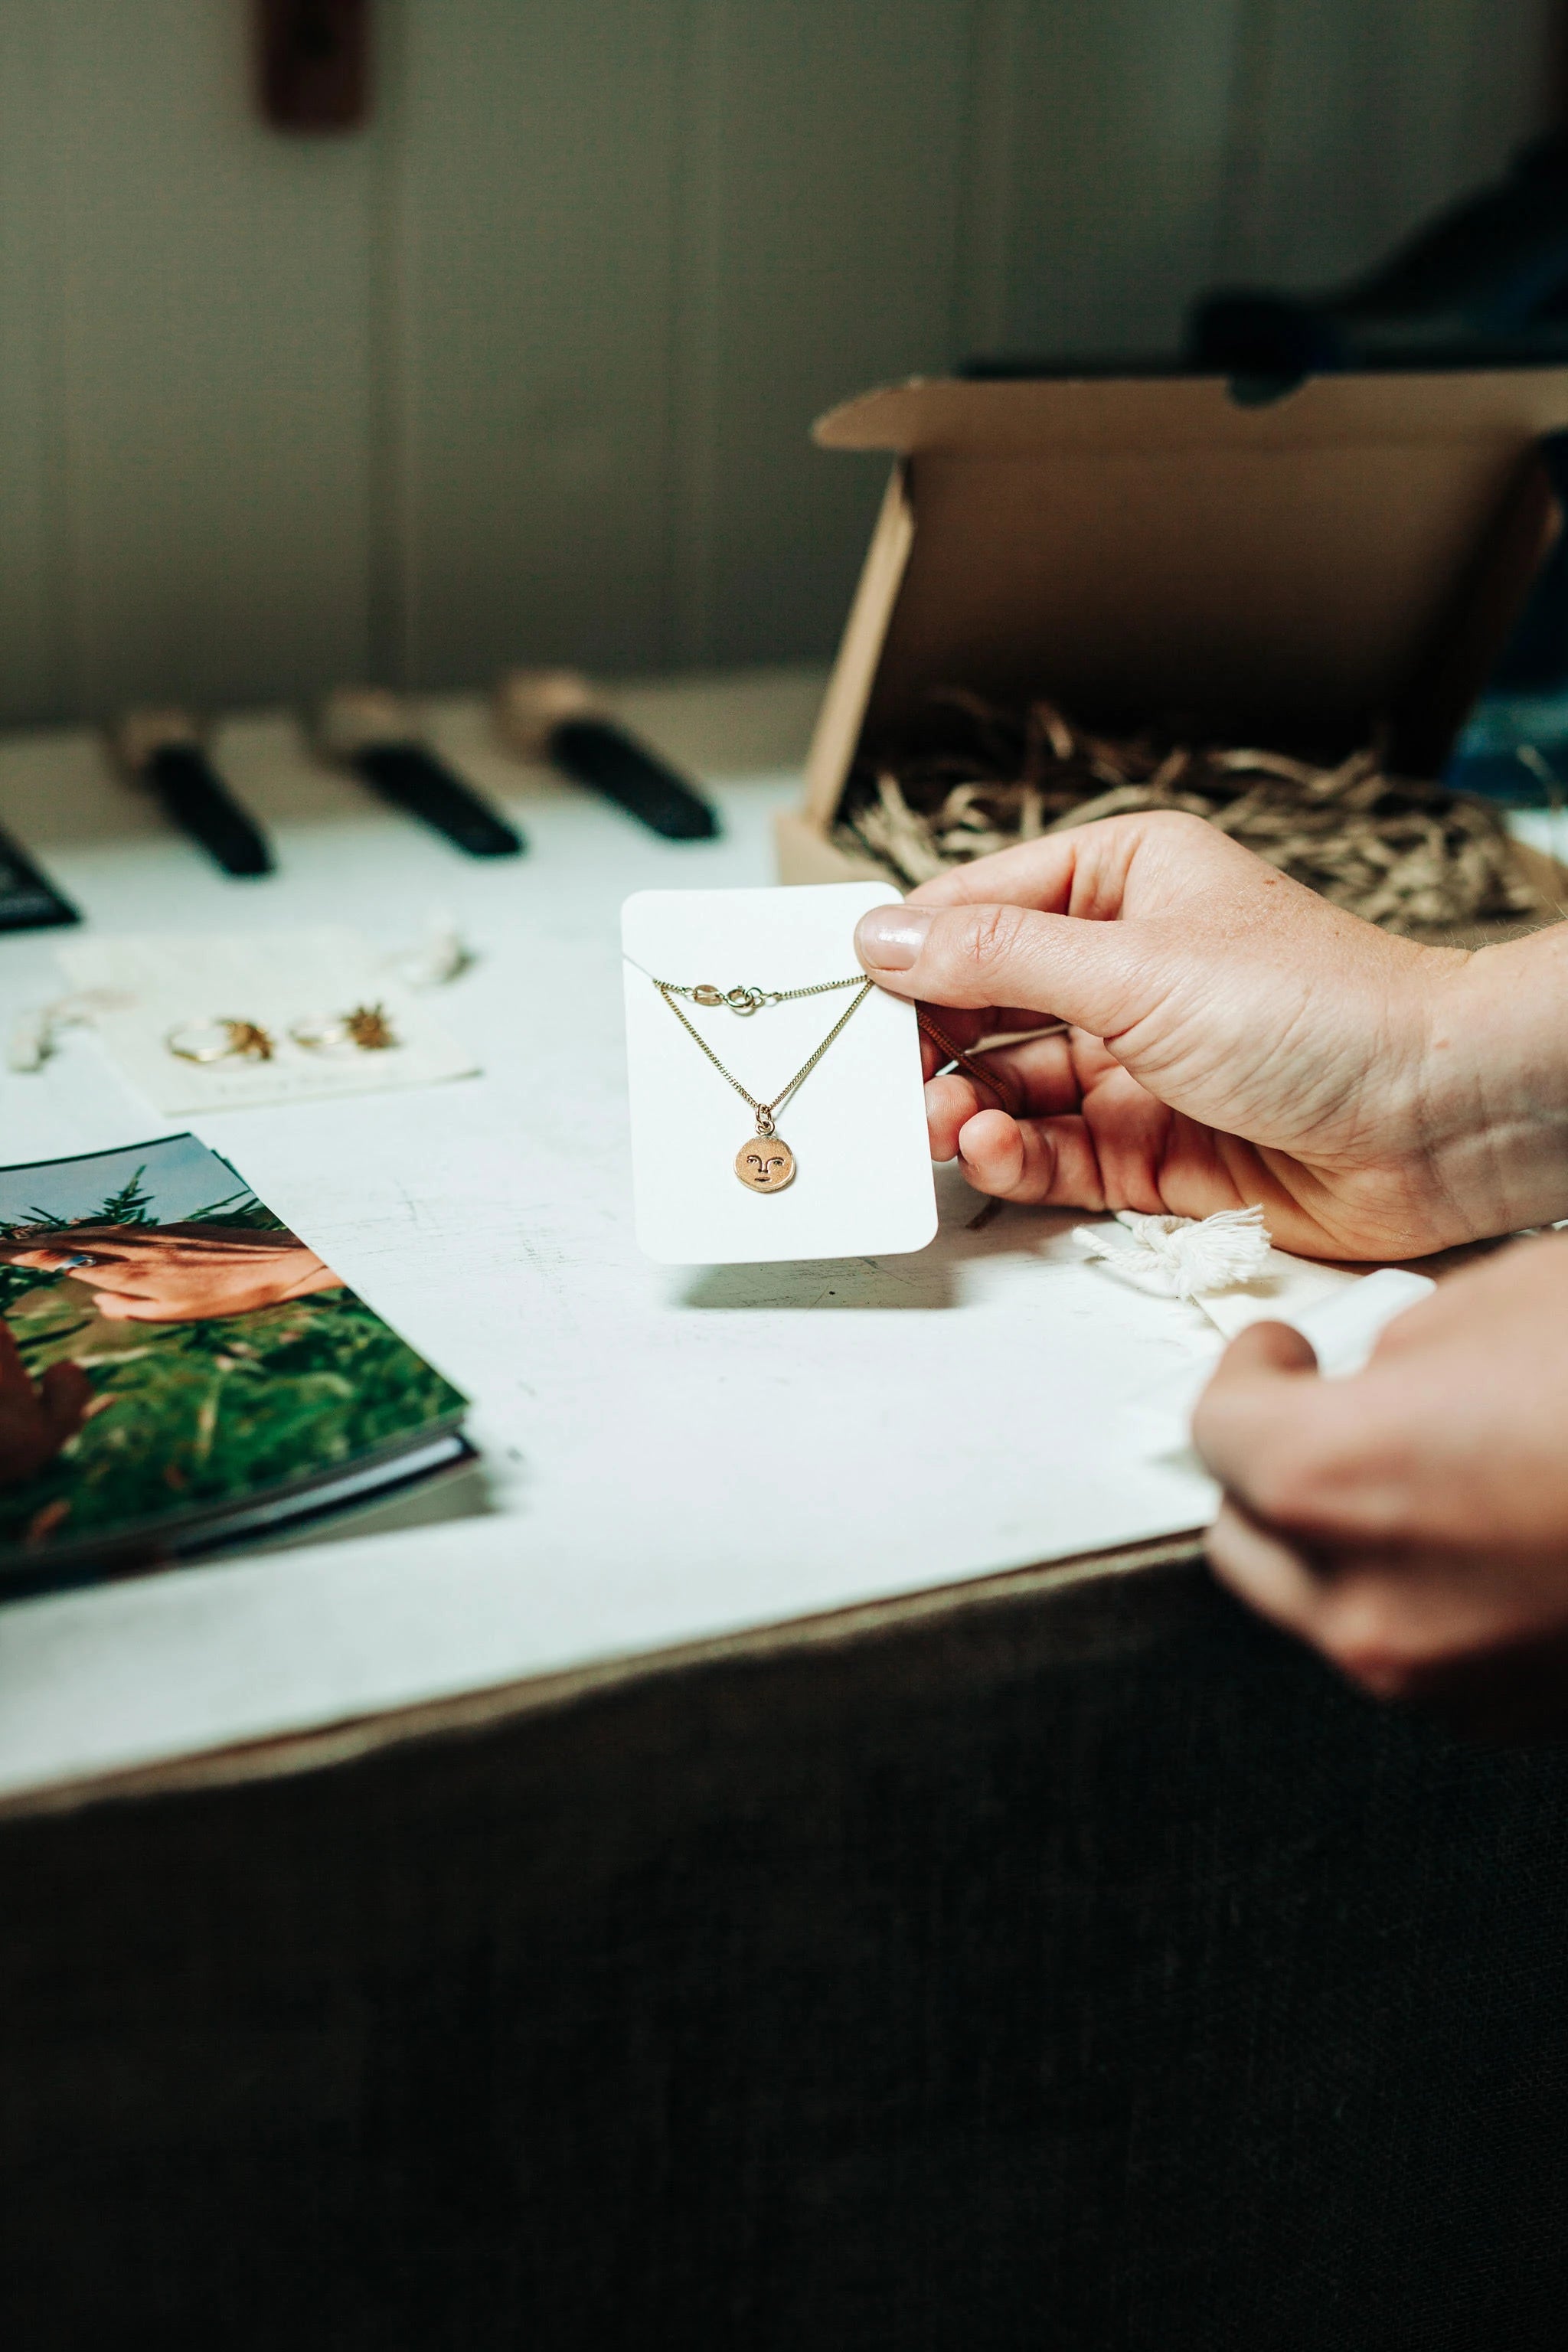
x=999 y=1085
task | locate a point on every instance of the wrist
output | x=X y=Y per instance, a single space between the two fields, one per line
x=1495 y=1097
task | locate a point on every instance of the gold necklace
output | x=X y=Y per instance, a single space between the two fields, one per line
x=767 y=1164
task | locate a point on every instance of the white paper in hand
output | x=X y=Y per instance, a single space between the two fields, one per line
x=862 y=1185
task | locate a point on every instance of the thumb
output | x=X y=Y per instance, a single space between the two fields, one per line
x=1263 y=1347
x=1060 y=967
x=1253 y=1406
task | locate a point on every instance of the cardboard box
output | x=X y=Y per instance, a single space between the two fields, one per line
x=1347 y=557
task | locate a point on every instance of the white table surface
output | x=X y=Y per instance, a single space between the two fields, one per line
x=669 y=1454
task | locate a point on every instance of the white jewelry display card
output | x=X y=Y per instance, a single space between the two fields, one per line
x=855 y=1126
x=303 y=994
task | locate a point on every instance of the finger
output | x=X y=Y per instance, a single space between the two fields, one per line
x=1044 y=1087
x=1374 y=1615
x=1267 y=1572
x=1252 y=1408
x=1039 y=1079
x=1344 y=1463
x=1096 y=871
x=1264 y=1346
x=1043 y=1077
x=1051 y=966
x=1330 y=1461
x=1053 y=874
x=1131 y=1133
x=950 y=1103
x=124 y=1306
x=1046 y=1162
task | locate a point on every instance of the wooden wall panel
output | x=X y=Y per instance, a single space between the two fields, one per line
x=34 y=682
x=823 y=226
x=215 y=359
x=533 y=226
x=1121 y=125
x=1367 y=115
x=526 y=370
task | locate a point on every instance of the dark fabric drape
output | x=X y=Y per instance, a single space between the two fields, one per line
x=1083 y=1968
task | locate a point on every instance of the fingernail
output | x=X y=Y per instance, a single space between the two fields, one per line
x=890 y=937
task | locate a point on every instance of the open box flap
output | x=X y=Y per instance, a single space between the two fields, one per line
x=1021 y=418
x=1346 y=558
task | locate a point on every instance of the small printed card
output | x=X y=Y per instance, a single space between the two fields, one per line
x=848 y=1172
x=332 y=1019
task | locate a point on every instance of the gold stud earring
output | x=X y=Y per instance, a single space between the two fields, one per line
x=219 y=1040
x=364 y=1030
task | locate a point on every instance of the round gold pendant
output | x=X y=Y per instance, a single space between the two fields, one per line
x=766 y=1164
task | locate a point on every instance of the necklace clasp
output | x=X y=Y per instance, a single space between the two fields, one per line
x=744 y=1000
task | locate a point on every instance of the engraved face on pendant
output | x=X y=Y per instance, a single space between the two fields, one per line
x=766 y=1164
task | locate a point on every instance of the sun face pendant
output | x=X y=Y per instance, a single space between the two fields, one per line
x=765 y=1164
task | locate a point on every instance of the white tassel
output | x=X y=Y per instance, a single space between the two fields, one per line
x=1182 y=1257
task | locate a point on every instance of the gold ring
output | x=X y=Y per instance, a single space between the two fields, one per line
x=218 y=1039
x=365 y=1029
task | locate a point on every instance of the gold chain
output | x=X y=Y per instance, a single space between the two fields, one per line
x=751 y=998
x=748 y=1000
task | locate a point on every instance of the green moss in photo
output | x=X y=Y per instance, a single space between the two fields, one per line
x=199 y=1416
x=205 y=1413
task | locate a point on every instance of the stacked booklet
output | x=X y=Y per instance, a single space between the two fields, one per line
x=178 y=1371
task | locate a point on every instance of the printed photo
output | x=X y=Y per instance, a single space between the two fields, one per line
x=172 y=1355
